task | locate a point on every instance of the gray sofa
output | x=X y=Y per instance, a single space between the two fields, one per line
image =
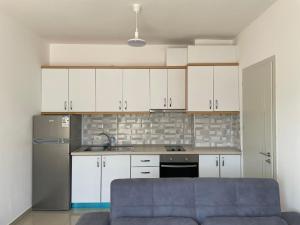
x=193 y=201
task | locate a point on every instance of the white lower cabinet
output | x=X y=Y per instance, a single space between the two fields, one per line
x=113 y=167
x=230 y=166
x=226 y=166
x=144 y=172
x=209 y=166
x=86 y=179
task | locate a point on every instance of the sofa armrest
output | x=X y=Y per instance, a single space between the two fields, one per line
x=292 y=218
x=94 y=218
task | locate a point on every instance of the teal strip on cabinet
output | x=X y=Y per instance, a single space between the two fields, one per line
x=102 y=205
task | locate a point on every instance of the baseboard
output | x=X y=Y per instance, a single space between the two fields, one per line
x=21 y=216
x=102 y=205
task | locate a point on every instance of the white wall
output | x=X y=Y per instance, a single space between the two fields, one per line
x=277 y=33
x=96 y=54
x=21 y=55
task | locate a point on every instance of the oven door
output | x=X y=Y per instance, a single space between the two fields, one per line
x=179 y=170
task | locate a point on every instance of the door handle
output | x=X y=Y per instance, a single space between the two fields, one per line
x=268 y=161
x=268 y=154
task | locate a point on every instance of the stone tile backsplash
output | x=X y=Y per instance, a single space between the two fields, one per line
x=163 y=128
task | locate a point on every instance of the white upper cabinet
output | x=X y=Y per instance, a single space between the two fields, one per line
x=136 y=96
x=82 y=90
x=212 y=54
x=176 y=88
x=109 y=90
x=158 y=88
x=55 y=90
x=226 y=88
x=200 y=88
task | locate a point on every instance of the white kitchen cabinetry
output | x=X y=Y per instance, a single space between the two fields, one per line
x=55 y=90
x=200 y=88
x=209 y=165
x=144 y=160
x=86 y=179
x=226 y=88
x=176 y=88
x=145 y=166
x=159 y=88
x=144 y=172
x=136 y=96
x=230 y=166
x=167 y=88
x=213 y=88
x=82 y=90
x=109 y=90
x=113 y=167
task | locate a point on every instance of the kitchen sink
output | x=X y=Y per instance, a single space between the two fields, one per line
x=112 y=148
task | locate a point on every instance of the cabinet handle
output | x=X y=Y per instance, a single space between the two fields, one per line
x=145 y=160
x=210 y=104
x=170 y=102
x=165 y=102
x=120 y=105
x=104 y=163
x=65 y=105
x=98 y=162
x=125 y=105
x=71 y=105
x=223 y=162
x=145 y=172
x=217 y=162
x=217 y=104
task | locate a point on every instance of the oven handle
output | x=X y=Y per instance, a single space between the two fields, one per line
x=178 y=166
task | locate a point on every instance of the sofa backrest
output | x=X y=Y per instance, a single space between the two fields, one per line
x=197 y=198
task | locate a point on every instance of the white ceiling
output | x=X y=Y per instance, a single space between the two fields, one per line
x=112 y=21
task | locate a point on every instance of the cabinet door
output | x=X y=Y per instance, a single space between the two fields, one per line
x=109 y=90
x=55 y=90
x=176 y=88
x=82 y=90
x=113 y=167
x=86 y=179
x=230 y=166
x=136 y=93
x=209 y=166
x=200 y=88
x=226 y=88
x=158 y=88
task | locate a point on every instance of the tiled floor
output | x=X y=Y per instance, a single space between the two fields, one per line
x=54 y=218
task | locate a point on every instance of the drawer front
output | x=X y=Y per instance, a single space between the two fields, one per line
x=144 y=172
x=145 y=160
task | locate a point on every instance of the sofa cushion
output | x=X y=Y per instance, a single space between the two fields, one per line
x=273 y=220
x=154 y=221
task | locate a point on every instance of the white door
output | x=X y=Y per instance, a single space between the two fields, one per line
x=226 y=88
x=209 y=165
x=82 y=90
x=109 y=90
x=55 y=90
x=158 y=88
x=136 y=93
x=176 y=88
x=113 y=167
x=86 y=179
x=200 y=88
x=230 y=166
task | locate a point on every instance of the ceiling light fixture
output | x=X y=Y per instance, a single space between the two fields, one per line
x=136 y=41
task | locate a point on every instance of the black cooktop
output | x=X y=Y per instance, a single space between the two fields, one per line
x=175 y=148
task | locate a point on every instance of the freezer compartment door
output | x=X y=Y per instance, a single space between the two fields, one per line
x=51 y=127
x=51 y=177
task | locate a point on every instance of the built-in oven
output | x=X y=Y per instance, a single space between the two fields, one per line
x=179 y=165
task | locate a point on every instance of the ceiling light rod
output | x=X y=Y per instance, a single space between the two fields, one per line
x=136 y=41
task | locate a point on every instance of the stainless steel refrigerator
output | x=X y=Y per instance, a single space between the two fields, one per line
x=54 y=137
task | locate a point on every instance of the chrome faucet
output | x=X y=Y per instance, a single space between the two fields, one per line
x=109 y=143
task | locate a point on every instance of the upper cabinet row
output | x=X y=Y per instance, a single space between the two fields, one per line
x=112 y=90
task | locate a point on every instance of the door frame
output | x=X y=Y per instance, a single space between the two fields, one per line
x=272 y=60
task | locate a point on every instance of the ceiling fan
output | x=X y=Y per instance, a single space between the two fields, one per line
x=136 y=41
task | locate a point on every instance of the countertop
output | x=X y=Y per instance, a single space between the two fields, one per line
x=158 y=150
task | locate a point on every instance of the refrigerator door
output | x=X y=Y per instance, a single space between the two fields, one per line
x=51 y=127
x=51 y=176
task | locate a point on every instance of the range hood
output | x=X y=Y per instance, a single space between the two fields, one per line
x=167 y=110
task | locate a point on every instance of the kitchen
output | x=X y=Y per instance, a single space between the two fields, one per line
x=94 y=92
